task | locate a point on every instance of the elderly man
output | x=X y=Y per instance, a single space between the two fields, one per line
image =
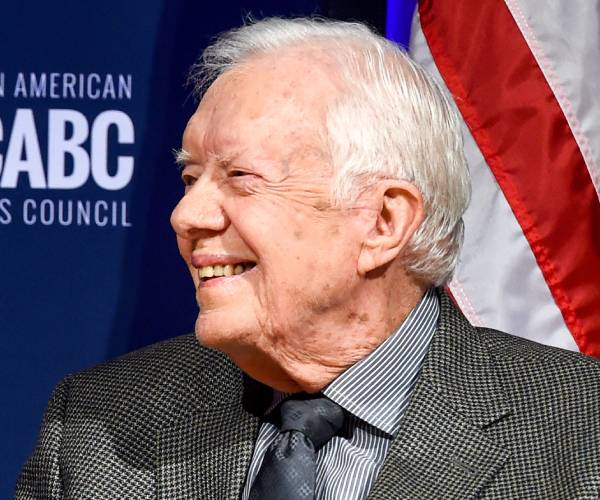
x=324 y=188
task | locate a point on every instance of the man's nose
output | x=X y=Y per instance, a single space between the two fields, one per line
x=200 y=211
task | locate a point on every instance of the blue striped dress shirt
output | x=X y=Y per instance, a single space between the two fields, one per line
x=375 y=393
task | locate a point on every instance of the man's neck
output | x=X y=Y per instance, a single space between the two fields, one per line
x=354 y=331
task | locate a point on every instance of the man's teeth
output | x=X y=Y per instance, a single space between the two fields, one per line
x=228 y=270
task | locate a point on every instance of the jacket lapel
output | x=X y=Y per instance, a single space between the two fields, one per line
x=207 y=454
x=442 y=449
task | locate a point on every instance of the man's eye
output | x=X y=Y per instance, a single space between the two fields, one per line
x=188 y=180
x=237 y=173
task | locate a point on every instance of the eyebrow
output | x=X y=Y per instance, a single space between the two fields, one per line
x=182 y=157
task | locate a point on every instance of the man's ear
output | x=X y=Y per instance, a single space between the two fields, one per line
x=400 y=213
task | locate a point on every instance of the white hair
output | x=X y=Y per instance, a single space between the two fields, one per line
x=392 y=121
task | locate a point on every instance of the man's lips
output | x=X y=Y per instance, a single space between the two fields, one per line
x=218 y=271
x=215 y=269
x=203 y=260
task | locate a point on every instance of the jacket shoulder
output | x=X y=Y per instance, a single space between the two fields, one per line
x=557 y=377
x=104 y=421
x=510 y=346
x=163 y=379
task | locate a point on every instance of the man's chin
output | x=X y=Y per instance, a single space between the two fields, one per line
x=218 y=331
x=207 y=335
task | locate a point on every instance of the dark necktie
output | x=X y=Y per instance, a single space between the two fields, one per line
x=289 y=467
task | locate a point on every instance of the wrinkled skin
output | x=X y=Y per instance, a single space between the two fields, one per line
x=257 y=180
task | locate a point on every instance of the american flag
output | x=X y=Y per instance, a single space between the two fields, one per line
x=525 y=75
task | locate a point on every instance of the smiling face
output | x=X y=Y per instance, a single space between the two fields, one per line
x=256 y=209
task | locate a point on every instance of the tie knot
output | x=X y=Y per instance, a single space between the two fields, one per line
x=316 y=417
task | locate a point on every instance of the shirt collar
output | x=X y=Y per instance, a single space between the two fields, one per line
x=377 y=389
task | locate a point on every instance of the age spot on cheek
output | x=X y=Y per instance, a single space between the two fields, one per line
x=353 y=316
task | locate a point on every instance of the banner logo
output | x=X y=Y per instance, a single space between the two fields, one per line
x=75 y=150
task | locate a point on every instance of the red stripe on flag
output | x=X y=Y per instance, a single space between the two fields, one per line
x=526 y=140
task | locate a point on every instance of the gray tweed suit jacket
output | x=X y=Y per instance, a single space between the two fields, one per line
x=492 y=416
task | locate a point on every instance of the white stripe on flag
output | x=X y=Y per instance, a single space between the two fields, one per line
x=511 y=295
